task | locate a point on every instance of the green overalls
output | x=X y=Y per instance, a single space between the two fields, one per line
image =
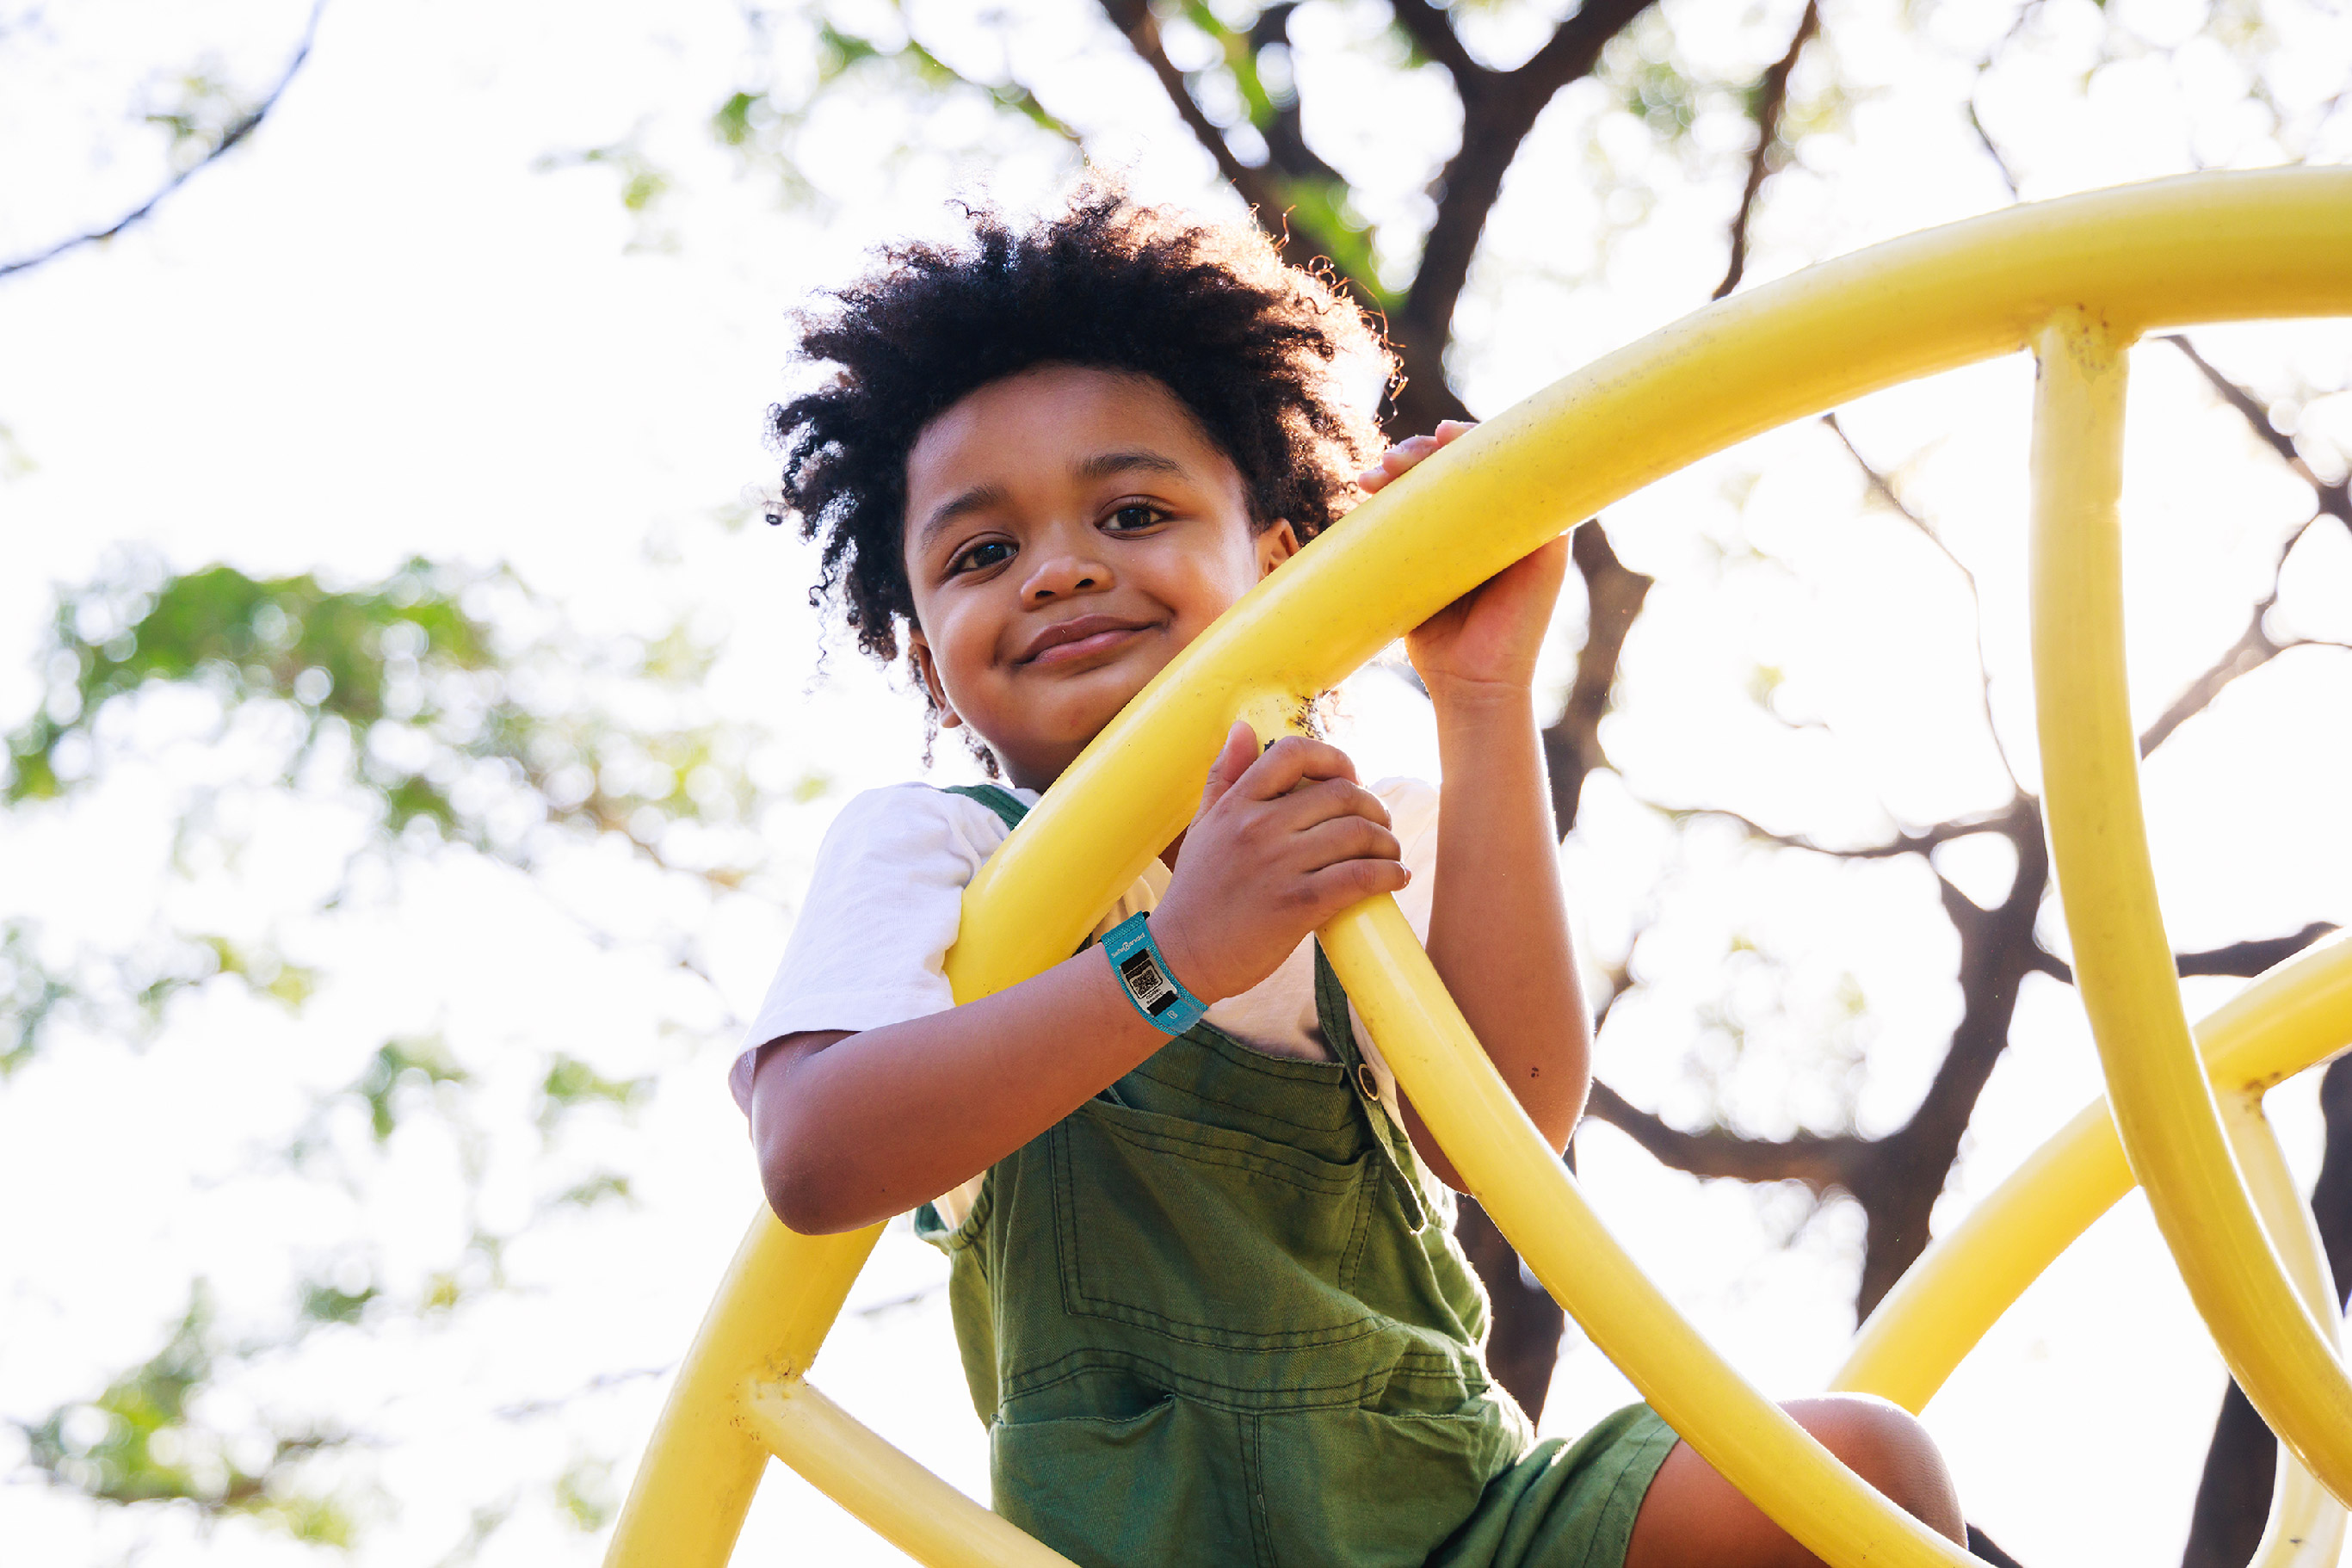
x=1217 y=1316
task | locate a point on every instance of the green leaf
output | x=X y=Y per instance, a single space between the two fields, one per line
x=572 y=1083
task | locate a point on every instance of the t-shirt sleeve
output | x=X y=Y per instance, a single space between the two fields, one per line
x=883 y=906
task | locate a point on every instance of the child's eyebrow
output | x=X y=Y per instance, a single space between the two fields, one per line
x=976 y=499
x=1102 y=465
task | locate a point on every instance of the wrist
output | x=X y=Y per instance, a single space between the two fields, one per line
x=1143 y=972
x=1186 y=964
x=1480 y=704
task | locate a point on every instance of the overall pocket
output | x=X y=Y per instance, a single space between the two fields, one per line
x=1208 y=1235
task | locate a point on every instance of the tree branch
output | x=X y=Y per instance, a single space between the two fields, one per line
x=1614 y=594
x=1571 y=51
x=2242 y=958
x=1497 y=112
x=1769 y=101
x=1136 y=23
x=2255 y=647
x=244 y=127
x=2248 y=959
x=2334 y=501
x=1819 y=1163
x=1431 y=32
x=2001 y=822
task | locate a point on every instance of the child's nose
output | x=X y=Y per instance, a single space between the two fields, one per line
x=1062 y=573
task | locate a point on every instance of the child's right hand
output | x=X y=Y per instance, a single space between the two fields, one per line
x=1282 y=842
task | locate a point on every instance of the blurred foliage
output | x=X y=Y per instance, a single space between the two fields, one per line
x=402 y=1067
x=570 y=1083
x=644 y=185
x=144 y=1440
x=406 y=689
x=584 y=1493
x=124 y=995
x=30 y=996
x=197 y=111
x=442 y=710
x=867 y=55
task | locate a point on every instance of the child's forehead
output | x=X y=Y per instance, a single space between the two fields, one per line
x=1062 y=421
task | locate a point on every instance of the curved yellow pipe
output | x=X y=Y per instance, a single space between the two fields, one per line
x=2280 y=1352
x=2305 y=1527
x=1526 y=1189
x=910 y=1508
x=703 y=1460
x=2294 y=1016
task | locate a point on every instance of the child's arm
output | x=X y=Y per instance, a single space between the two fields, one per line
x=850 y=1129
x=1498 y=924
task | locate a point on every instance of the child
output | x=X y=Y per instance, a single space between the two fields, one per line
x=1205 y=1283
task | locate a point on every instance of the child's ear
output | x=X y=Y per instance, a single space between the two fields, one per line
x=919 y=650
x=1275 y=546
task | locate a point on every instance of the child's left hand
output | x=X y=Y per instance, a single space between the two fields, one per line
x=1488 y=638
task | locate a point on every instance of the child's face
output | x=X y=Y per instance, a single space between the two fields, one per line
x=1068 y=531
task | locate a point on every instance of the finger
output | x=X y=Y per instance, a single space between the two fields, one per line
x=1290 y=761
x=1232 y=760
x=1408 y=452
x=1401 y=456
x=1448 y=429
x=1334 y=888
x=1327 y=800
x=1540 y=571
x=1345 y=839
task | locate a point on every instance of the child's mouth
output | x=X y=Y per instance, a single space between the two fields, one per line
x=1078 y=638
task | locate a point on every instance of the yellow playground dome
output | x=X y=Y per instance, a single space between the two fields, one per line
x=2075 y=281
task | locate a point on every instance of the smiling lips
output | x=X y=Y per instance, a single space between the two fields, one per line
x=1076 y=638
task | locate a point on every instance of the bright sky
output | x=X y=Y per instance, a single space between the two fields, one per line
x=385 y=328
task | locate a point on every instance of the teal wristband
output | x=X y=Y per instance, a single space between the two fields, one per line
x=1142 y=971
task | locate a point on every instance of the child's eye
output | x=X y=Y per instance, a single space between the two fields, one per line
x=1134 y=515
x=980 y=557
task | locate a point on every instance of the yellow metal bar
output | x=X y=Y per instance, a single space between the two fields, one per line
x=912 y=1508
x=1528 y=1190
x=2305 y=1527
x=2164 y=1109
x=703 y=1461
x=2296 y=1017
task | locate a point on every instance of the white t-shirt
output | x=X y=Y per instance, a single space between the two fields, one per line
x=886 y=901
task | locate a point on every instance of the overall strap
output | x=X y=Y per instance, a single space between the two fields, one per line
x=1396 y=1148
x=1331 y=1011
x=997 y=798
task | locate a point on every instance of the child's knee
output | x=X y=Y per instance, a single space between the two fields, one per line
x=1887 y=1445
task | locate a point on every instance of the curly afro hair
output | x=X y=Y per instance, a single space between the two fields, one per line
x=1253 y=347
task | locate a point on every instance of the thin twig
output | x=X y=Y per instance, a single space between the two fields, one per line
x=2334 y=501
x=1883 y=488
x=235 y=133
x=1992 y=148
x=1919 y=843
x=1771 y=100
x=2255 y=647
